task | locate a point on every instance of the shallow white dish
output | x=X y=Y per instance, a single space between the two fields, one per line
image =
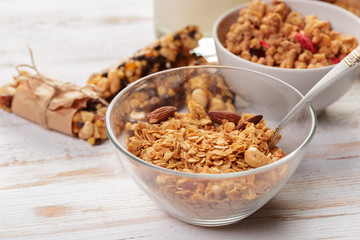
x=302 y=79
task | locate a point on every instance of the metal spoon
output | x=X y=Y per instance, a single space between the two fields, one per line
x=343 y=67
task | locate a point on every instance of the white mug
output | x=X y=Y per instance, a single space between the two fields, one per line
x=172 y=15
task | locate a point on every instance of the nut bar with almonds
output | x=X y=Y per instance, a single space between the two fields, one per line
x=56 y=105
x=168 y=51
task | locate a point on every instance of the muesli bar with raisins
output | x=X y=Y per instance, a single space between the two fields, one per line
x=170 y=50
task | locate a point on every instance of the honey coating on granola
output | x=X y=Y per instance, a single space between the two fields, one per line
x=276 y=35
x=191 y=142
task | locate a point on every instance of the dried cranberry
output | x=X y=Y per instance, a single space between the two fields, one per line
x=335 y=60
x=264 y=44
x=305 y=42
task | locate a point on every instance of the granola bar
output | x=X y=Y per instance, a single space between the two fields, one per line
x=168 y=51
x=87 y=122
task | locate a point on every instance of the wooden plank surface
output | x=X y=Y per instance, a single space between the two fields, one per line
x=53 y=186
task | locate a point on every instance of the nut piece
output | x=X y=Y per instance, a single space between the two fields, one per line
x=254 y=158
x=87 y=116
x=161 y=114
x=254 y=119
x=199 y=96
x=86 y=131
x=219 y=116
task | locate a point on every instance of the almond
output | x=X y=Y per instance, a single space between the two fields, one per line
x=254 y=119
x=219 y=116
x=161 y=114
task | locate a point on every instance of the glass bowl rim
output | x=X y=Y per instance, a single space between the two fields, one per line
x=258 y=170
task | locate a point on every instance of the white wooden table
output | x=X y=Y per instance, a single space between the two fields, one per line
x=53 y=186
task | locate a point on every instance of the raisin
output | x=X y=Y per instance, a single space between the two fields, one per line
x=80 y=124
x=257 y=52
x=105 y=74
x=6 y=100
x=192 y=34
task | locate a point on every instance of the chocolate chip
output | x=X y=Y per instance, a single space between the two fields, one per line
x=145 y=70
x=257 y=52
x=105 y=74
x=192 y=34
x=225 y=98
x=139 y=58
x=91 y=106
x=97 y=141
x=177 y=36
x=157 y=47
x=124 y=82
x=121 y=65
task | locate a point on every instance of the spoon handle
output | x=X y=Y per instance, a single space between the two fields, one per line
x=342 y=68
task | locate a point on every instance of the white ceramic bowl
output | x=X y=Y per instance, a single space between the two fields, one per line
x=255 y=93
x=302 y=79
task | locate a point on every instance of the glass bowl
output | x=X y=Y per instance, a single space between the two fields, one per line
x=212 y=199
